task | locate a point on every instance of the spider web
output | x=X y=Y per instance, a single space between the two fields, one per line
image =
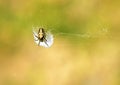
x=102 y=32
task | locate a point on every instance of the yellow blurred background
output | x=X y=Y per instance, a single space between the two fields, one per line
x=72 y=60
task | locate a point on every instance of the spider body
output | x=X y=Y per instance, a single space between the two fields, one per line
x=41 y=36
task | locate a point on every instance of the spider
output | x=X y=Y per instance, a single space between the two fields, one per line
x=43 y=38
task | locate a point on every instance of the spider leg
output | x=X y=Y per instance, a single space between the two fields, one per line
x=36 y=36
x=45 y=42
x=36 y=40
x=39 y=43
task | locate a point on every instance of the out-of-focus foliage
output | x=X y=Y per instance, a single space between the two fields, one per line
x=87 y=51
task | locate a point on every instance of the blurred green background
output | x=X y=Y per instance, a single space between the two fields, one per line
x=72 y=60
